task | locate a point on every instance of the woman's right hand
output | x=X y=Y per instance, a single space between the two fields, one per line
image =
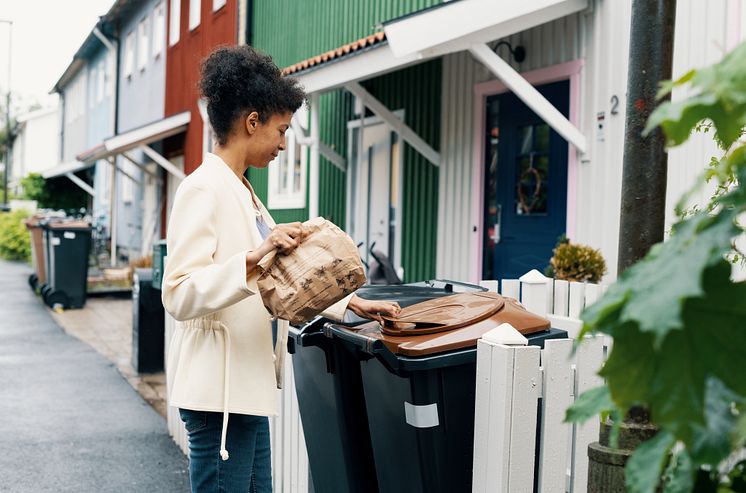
x=285 y=238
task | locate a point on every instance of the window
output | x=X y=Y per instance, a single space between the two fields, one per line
x=129 y=54
x=128 y=186
x=216 y=4
x=101 y=82
x=92 y=87
x=287 y=176
x=75 y=99
x=109 y=62
x=159 y=27
x=174 y=28
x=194 y=11
x=142 y=44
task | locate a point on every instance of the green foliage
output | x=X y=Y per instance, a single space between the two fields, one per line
x=15 y=243
x=573 y=262
x=676 y=316
x=55 y=193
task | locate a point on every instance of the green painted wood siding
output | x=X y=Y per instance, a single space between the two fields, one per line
x=293 y=30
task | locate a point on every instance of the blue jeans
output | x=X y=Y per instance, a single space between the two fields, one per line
x=249 y=467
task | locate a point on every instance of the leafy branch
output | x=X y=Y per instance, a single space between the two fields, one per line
x=677 y=318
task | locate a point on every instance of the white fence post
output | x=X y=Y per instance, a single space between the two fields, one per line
x=589 y=360
x=507 y=387
x=561 y=297
x=534 y=292
x=511 y=288
x=555 y=433
x=490 y=285
x=577 y=299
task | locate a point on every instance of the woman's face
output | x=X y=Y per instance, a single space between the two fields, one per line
x=267 y=138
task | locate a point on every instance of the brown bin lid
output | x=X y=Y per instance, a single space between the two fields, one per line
x=451 y=322
x=69 y=225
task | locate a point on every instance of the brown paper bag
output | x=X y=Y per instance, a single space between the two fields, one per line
x=325 y=268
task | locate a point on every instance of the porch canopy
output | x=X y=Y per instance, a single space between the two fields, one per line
x=140 y=138
x=461 y=25
x=69 y=169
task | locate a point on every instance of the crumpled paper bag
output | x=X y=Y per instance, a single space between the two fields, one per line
x=325 y=268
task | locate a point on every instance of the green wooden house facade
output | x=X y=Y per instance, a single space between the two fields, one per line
x=317 y=26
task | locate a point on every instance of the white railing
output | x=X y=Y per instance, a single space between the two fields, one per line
x=514 y=383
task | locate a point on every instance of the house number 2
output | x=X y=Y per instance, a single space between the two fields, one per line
x=614 y=105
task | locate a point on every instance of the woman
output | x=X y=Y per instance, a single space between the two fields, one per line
x=220 y=361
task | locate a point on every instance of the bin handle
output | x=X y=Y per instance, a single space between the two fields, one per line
x=369 y=345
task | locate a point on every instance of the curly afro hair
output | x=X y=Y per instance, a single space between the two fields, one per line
x=237 y=80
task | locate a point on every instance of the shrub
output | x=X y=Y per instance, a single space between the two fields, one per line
x=14 y=238
x=573 y=262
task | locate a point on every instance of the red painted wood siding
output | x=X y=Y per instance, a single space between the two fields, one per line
x=183 y=62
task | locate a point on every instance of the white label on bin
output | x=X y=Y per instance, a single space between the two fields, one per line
x=69 y=235
x=421 y=416
x=56 y=240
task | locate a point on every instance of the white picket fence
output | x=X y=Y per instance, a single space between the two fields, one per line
x=514 y=383
x=510 y=382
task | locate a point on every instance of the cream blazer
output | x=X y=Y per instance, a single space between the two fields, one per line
x=220 y=356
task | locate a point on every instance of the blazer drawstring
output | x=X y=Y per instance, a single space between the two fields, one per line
x=280 y=350
x=226 y=391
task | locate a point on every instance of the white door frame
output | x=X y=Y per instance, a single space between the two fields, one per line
x=365 y=122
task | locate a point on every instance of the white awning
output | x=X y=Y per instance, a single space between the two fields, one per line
x=65 y=168
x=455 y=26
x=147 y=134
x=447 y=28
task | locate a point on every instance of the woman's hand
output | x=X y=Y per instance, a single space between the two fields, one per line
x=372 y=309
x=284 y=238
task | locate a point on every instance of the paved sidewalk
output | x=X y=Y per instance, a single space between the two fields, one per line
x=69 y=421
x=105 y=324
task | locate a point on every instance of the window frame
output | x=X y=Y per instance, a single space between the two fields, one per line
x=174 y=22
x=101 y=81
x=159 y=28
x=288 y=198
x=195 y=14
x=129 y=54
x=218 y=4
x=142 y=44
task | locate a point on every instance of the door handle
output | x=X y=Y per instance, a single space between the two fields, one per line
x=498 y=225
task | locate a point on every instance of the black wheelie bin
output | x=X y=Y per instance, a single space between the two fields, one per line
x=330 y=393
x=67 y=244
x=419 y=383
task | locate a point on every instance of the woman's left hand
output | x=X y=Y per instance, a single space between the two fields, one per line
x=372 y=309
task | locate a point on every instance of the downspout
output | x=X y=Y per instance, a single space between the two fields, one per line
x=248 y=15
x=313 y=185
x=113 y=48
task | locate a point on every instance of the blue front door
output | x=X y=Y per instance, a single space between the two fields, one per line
x=525 y=185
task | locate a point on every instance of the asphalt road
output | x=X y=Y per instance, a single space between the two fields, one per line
x=68 y=420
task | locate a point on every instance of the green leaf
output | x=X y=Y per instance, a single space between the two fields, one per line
x=651 y=293
x=719 y=95
x=677 y=119
x=630 y=368
x=712 y=442
x=643 y=470
x=589 y=404
x=679 y=476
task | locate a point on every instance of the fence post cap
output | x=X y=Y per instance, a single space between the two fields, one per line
x=505 y=334
x=534 y=277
